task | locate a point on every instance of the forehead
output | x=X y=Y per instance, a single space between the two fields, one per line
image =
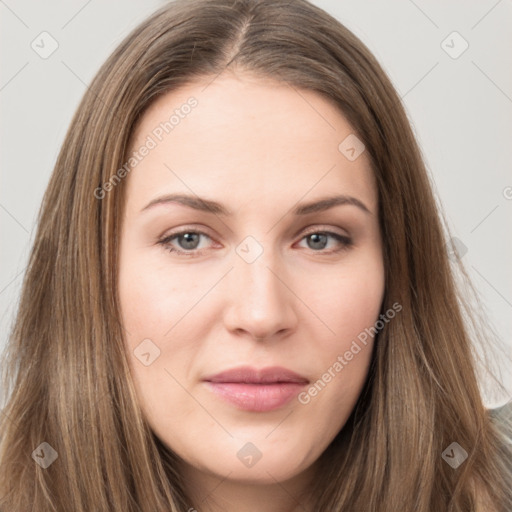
x=248 y=138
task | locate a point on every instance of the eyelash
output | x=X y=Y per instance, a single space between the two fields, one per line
x=345 y=242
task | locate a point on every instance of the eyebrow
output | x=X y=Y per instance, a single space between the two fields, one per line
x=210 y=206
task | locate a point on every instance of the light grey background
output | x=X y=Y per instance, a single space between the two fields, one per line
x=461 y=110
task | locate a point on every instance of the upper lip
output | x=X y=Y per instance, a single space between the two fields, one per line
x=250 y=375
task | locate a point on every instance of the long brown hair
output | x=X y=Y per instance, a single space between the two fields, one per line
x=66 y=378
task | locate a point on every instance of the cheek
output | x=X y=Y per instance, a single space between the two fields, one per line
x=349 y=305
x=160 y=342
x=153 y=298
x=348 y=301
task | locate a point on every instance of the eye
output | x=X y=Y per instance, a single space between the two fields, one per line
x=188 y=242
x=318 y=241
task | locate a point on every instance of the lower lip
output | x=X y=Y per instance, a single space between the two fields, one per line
x=257 y=397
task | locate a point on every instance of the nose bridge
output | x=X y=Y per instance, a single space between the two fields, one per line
x=259 y=302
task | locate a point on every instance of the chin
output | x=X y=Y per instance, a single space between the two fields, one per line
x=277 y=466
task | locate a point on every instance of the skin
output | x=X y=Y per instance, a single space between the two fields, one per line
x=259 y=147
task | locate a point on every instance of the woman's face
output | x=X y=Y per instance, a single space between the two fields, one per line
x=266 y=279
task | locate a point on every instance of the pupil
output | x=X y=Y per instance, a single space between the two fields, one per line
x=315 y=237
x=190 y=243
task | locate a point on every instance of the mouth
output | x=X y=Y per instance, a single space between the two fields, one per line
x=256 y=390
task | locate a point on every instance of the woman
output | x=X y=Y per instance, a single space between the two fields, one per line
x=239 y=296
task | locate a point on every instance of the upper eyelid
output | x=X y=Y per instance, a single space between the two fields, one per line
x=182 y=232
x=319 y=228
x=307 y=230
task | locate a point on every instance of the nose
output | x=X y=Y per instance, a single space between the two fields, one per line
x=260 y=303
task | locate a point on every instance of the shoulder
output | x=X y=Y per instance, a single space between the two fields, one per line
x=502 y=418
x=503 y=411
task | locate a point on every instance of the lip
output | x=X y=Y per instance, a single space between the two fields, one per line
x=257 y=390
x=250 y=375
